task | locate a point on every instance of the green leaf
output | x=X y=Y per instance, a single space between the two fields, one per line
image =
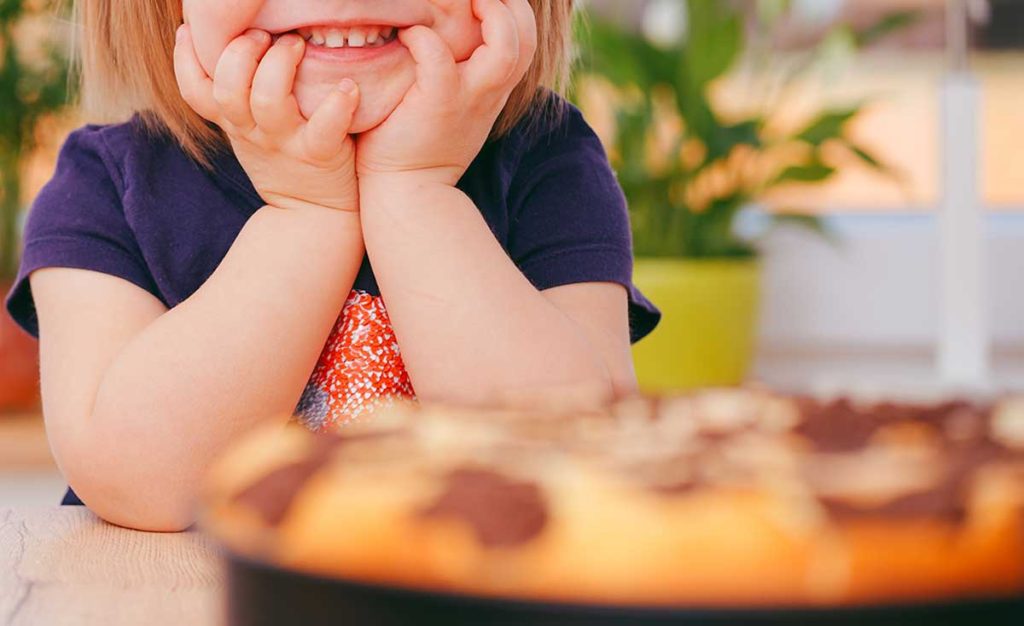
x=804 y=220
x=663 y=224
x=715 y=40
x=713 y=234
x=11 y=10
x=771 y=11
x=873 y=162
x=828 y=125
x=622 y=57
x=721 y=142
x=887 y=25
x=27 y=92
x=696 y=110
x=811 y=173
x=866 y=157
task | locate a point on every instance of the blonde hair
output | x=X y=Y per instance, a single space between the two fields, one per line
x=126 y=66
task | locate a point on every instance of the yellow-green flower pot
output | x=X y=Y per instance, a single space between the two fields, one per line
x=708 y=331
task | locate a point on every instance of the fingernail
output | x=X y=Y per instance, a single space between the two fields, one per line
x=258 y=36
x=347 y=85
x=179 y=35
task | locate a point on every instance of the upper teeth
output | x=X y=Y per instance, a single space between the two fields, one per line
x=353 y=37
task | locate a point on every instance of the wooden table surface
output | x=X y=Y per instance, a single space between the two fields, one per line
x=62 y=565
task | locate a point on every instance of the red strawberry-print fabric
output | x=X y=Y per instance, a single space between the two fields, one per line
x=360 y=368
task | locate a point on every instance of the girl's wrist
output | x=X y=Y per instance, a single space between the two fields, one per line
x=317 y=216
x=446 y=176
x=378 y=188
x=290 y=203
x=401 y=192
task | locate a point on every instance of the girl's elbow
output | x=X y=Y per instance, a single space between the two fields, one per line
x=622 y=380
x=154 y=522
x=128 y=505
x=162 y=518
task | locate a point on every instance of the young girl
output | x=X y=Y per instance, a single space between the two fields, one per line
x=185 y=270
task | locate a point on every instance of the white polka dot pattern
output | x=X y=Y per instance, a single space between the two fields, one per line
x=359 y=369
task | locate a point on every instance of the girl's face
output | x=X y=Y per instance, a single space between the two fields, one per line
x=345 y=39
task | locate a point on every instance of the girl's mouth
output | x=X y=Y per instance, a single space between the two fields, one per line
x=363 y=36
x=366 y=41
x=351 y=37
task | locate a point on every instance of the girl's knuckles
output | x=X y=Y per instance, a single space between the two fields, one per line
x=508 y=60
x=235 y=62
x=265 y=103
x=236 y=53
x=224 y=97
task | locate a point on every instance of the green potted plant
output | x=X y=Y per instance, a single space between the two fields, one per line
x=33 y=84
x=688 y=172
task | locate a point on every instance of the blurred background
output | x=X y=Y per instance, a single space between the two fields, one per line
x=825 y=194
x=847 y=177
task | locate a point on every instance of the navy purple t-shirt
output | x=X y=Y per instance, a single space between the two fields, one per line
x=129 y=202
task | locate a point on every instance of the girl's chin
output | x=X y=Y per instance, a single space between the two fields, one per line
x=374 y=107
x=367 y=120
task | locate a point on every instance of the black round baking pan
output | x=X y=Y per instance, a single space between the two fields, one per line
x=263 y=595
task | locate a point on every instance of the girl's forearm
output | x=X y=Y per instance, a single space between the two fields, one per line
x=239 y=350
x=472 y=328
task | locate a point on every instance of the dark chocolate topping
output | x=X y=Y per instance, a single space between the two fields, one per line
x=959 y=430
x=502 y=512
x=953 y=438
x=272 y=495
x=842 y=426
x=947 y=500
x=835 y=426
x=943 y=502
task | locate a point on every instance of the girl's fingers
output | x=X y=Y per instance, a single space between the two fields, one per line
x=232 y=80
x=526 y=21
x=195 y=86
x=492 y=64
x=328 y=127
x=436 y=71
x=274 y=107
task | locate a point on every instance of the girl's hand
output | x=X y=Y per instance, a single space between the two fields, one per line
x=446 y=116
x=292 y=162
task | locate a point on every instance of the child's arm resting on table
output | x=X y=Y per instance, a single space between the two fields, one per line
x=472 y=326
x=482 y=331
x=138 y=399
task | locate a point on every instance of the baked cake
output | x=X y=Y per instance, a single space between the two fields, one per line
x=738 y=498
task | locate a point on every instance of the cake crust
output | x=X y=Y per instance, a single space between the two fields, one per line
x=721 y=498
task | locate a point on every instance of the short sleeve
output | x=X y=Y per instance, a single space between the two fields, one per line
x=77 y=221
x=568 y=217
